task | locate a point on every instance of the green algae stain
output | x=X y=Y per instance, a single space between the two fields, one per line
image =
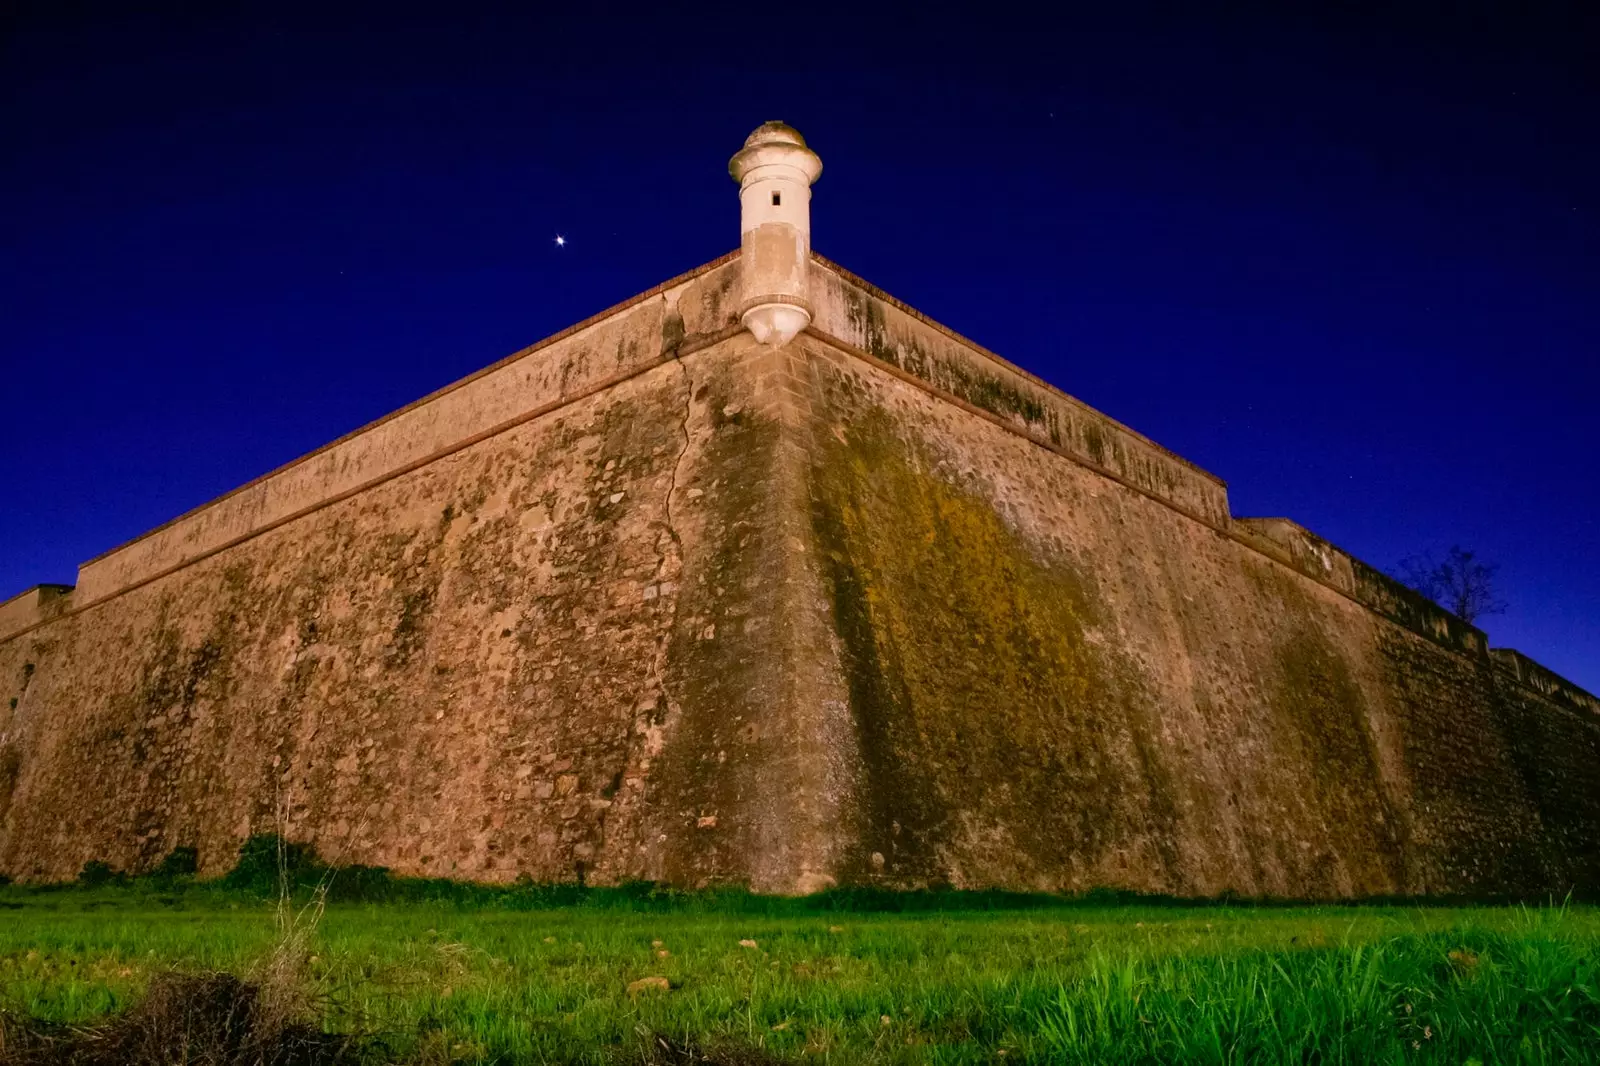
x=866 y=318
x=10 y=772
x=672 y=332
x=1364 y=832
x=988 y=726
x=992 y=394
x=1094 y=443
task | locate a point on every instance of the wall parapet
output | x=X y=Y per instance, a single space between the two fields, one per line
x=1416 y=612
x=1549 y=684
x=851 y=310
x=1296 y=546
x=31 y=606
x=1289 y=542
x=628 y=338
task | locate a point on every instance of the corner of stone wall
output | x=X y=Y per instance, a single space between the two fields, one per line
x=743 y=791
x=813 y=680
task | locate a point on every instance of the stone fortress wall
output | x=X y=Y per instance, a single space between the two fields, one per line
x=879 y=328
x=651 y=601
x=443 y=643
x=1073 y=674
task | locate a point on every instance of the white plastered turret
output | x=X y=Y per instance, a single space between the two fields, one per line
x=774 y=170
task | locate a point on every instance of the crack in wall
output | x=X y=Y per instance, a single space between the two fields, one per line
x=677 y=465
x=658 y=665
x=657 y=706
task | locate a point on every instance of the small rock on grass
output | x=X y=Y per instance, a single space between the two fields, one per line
x=649 y=984
x=748 y=944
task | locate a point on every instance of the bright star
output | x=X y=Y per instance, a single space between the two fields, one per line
x=561 y=242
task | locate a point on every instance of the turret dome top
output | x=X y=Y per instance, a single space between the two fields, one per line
x=775 y=144
x=774 y=133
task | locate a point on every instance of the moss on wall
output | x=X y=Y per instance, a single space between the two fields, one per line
x=10 y=768
x=1057 y=683
x=994 y=739
x=1362 y=847
x=607 y=644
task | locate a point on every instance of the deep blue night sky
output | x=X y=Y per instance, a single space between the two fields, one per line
x=1350 y=264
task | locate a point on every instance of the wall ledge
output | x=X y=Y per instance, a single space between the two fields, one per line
x=33 y=606
x=1517 y=667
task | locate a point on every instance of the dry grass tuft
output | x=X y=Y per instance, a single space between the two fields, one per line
x=287 y=992
x=212 y=1019
x=190 y=1019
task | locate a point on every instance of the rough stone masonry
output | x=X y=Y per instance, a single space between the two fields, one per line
x=762 y=577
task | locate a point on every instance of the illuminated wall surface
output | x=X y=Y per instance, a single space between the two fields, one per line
x=653 y=601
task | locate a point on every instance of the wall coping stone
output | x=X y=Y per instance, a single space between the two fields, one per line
x=499 y=364
x=1546 y=682
x=1006 y=364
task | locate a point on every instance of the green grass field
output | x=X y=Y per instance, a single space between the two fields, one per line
x=509 y=978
